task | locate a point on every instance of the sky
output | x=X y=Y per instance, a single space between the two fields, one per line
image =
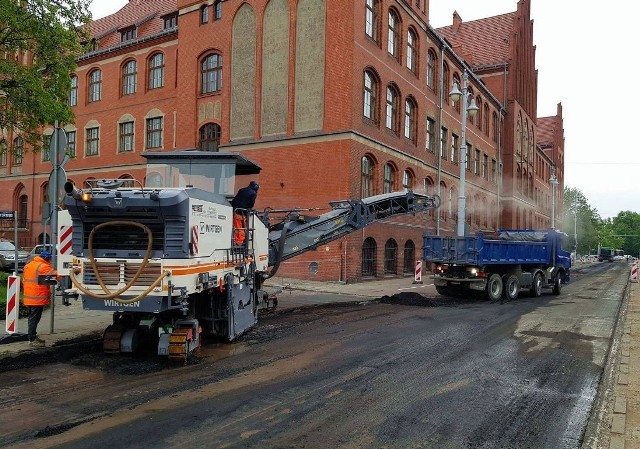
x=578 y=49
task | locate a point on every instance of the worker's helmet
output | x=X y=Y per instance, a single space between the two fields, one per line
x=46 y=255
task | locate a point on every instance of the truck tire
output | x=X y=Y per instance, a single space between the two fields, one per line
x=511 y=287
x=494 y=287
x=557 y=284
x=536 y=286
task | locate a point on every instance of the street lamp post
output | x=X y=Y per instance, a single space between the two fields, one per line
x=554 y=182
x=471 y=108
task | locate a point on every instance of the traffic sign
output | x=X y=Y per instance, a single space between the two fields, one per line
x=4 y=214
x=60 y=137
x=62 y=178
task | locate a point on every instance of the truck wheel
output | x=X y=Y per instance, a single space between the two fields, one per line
x=442 y=290
x=494 y=287
x=511 y=287
x=536 y=287
x=557 y=284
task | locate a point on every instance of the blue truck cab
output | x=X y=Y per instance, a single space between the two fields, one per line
x=498 y=265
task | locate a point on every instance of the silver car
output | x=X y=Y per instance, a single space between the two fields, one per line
x=7 y=256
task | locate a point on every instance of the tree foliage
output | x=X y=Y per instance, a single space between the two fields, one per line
x=39 y=43
x=620 y=232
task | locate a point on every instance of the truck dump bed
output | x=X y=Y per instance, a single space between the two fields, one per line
x=504 y=247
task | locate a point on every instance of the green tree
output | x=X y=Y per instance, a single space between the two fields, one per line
x=578 y=215
x=40 y=41
x=626 y=226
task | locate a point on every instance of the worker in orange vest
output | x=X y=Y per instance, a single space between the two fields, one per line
x=37 y=292
x=241 y=203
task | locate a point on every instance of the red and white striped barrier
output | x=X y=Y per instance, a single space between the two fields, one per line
x=418 y=273
x=634 y=272
x=66 y=240
x=13 y=295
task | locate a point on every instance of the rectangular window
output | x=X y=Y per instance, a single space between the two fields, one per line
x=73 y=93
x=485 y=166
x=170 y=21
x=71 y=144
x=128 y=34
x=430 y=143
x=126 y=137
x=93 y=141
x=3 y=156
x=46 y=142
x=494 y=171
x=476 y=164
x=454 y=148
x=468 y=157
x=154 y=132
x=443 y=142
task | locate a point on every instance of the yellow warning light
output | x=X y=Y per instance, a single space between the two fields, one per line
x=86 y=196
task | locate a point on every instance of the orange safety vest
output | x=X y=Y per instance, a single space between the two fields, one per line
x=35 y=294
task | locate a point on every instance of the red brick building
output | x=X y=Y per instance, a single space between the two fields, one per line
x=334 y=100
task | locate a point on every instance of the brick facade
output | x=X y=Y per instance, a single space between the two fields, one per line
x=291 y=98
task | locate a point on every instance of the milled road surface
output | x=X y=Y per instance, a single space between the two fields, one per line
x=405 y=372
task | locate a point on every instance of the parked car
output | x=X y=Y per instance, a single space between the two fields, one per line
x=7 y=256
x=38 y=249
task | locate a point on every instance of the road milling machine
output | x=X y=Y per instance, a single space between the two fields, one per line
x=161 y=255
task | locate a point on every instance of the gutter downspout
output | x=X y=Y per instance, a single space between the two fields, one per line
x=437 y=136
x=500 y=130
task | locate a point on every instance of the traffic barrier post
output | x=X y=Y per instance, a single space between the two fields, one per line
x=418 y=273
x=634 y=271
x=13 y=298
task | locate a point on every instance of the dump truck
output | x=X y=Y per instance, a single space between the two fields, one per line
x=498 y=265
x=160 y=254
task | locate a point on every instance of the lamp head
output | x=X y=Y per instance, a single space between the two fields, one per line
x=455 y=93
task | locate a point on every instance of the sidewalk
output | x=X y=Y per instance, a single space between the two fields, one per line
x=72 y=323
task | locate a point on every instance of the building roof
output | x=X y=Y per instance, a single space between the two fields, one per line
x=491 y=49
x=546 y=127
x=133 y=13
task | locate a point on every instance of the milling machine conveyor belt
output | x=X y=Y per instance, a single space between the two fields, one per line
x=347 y=216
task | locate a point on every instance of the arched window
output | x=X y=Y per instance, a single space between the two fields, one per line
x=18 y=150
x=95 y=85
x=452 y=204
x=393 y=42
x=480 y=113
x=369 y=249
x=370 y=95
x=391 y=257
x=23 y=207
x=372 y=20
x=431 y=70
x=485 y=119
x=412 y=50
x=209 y=137
x=73 y=93
x=407 y=180
x=391 y=120
x=156 y=71
x=446 y=82
x=494 y=120
x=217 y=10
x=389 y=181
x=211 y=74
x=129 y=77
x=410 y=121
x=409 y=257
x=366 y=176
x=455 y=104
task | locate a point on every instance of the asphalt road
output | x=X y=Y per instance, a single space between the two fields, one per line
x=404 y=372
